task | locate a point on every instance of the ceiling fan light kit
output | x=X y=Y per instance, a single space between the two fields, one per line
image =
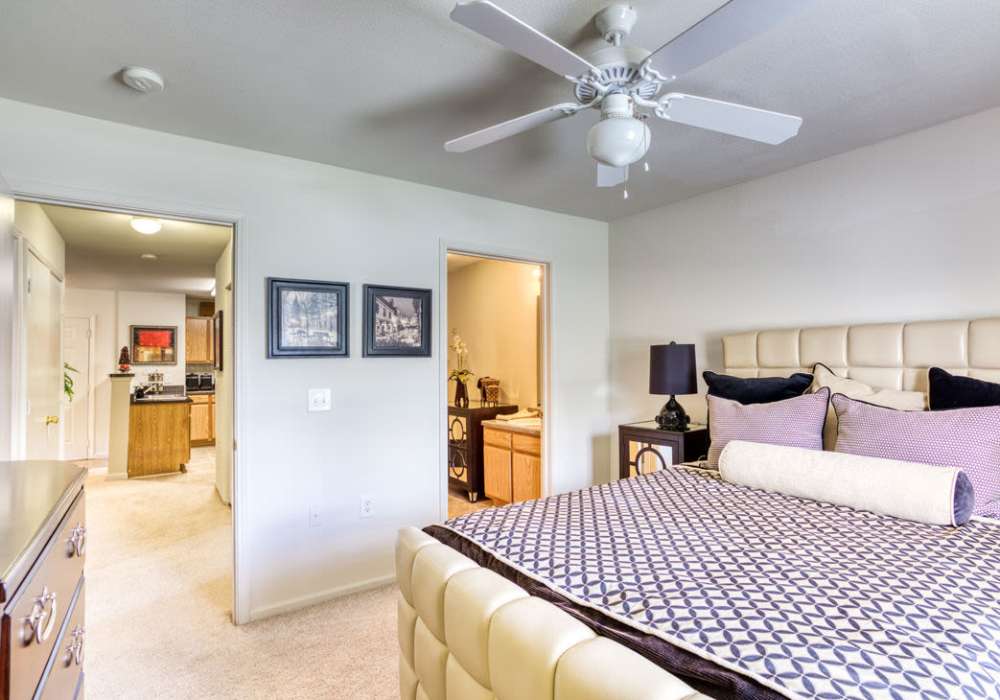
x=624 y=82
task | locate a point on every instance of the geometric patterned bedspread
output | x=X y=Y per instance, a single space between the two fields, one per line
x=810 y=599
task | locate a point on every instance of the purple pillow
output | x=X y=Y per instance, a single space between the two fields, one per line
x=796 y=422
x=966 y=438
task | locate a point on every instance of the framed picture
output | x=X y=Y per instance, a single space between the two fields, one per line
x=397 y=322
x=154 y=345
x=217 y=338
x=307 y=318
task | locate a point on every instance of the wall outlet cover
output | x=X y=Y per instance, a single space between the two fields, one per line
x=319 y=400
x=367 y=507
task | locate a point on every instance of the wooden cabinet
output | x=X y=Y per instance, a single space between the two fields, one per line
x=512 y=465
x=644 y=448
x=202 y=419
x=199 y=343
x=159 y=437
x=496 y=473
x=465 y=438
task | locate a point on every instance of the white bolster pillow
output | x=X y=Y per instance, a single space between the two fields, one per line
x=920 y=492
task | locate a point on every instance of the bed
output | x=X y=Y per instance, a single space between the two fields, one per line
x=679 y=585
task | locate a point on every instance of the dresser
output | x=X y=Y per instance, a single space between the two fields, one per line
x=465 y=440
x=43 y=543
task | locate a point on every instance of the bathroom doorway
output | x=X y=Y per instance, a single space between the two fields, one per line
x=496 y=324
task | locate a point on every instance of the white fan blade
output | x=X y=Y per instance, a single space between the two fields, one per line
x=728 y=118
x=730 y=25
x=507 y=30
x=609 y=176
x=511 y=127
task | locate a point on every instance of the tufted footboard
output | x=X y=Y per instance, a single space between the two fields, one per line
x=467 y=633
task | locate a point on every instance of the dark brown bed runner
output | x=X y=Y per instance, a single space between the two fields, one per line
x=703 y=675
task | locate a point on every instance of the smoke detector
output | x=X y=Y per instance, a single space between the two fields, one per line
x=145 y=80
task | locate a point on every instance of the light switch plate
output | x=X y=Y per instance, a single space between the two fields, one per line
x=319 y=400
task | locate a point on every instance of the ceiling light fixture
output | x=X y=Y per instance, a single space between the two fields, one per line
x=145 y=225
x=619 y=139
x=148 y=256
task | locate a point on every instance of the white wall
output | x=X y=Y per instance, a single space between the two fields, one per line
x=382 y=438
x=493 y=304
x=153 y=309
x=906 y=229
x=102 y=305
x=34 y=224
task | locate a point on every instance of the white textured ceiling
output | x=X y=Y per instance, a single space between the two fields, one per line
x=379 y=85
x=103 y=252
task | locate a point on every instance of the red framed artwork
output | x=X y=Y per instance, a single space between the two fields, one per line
x=154 y=345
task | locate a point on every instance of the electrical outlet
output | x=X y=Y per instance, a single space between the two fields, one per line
x=319 y=400
x=315 y=517
x=367 y=507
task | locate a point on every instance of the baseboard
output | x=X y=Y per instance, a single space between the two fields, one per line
x=320 y=597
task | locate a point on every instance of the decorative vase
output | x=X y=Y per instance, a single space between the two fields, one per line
x=461 y=394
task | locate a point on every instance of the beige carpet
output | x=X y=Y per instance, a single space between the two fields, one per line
x=158 y=570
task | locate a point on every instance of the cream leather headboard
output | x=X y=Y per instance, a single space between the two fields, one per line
x=885 y=355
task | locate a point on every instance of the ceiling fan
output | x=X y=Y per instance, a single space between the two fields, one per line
x=624 y=82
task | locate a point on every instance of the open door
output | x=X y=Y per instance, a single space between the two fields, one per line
x=43 y=359
x=8 y=297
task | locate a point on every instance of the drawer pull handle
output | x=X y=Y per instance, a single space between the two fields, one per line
x=74 y=652
x=42 y=619
x=78 y=541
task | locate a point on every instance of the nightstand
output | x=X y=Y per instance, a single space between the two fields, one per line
x=644 y=448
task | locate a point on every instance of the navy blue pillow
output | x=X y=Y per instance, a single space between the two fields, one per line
x=948 y=391
x=757 y=390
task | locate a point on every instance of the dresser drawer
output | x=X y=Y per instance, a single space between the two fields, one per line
x=67 y=661
x=38 y=609
x=498 y=438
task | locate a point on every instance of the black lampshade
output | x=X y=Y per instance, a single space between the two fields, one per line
x=672 y=369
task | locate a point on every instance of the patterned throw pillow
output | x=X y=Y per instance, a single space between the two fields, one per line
x=966 y=438
x=796 y=422
x=852 y=388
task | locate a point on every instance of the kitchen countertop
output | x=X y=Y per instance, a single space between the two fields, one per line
x=525 y=426
x=33 y=496
x=161 y=398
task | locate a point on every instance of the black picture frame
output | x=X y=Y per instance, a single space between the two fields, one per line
x=168 y=355
x=217 y=339
x=375 y=343
x=276 y=347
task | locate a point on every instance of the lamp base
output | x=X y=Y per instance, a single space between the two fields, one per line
x=673 y=416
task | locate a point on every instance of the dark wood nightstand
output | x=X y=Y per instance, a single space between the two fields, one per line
x=644 y=448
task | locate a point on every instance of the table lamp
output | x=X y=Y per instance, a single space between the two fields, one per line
x=672 y=371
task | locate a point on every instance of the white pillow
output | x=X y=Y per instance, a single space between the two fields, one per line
x=823 y=376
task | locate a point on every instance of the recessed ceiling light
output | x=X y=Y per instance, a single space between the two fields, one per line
x=142 y=79
x=148 y=256
x=145 y=225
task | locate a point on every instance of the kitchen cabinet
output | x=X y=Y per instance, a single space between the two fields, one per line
x=159 y=436
x=202 y=419
x=199 y=341
x=512 y=463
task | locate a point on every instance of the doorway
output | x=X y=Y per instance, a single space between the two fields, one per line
x=496 y=320
x=161 y=288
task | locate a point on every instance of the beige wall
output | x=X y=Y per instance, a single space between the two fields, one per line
x=493 y=305
x=153 y=309
x=33 y=223
x=224 y=378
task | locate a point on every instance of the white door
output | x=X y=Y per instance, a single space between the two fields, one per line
x=76 y=410
x=43 y=350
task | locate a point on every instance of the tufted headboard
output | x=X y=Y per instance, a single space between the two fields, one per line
x=885 y=355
